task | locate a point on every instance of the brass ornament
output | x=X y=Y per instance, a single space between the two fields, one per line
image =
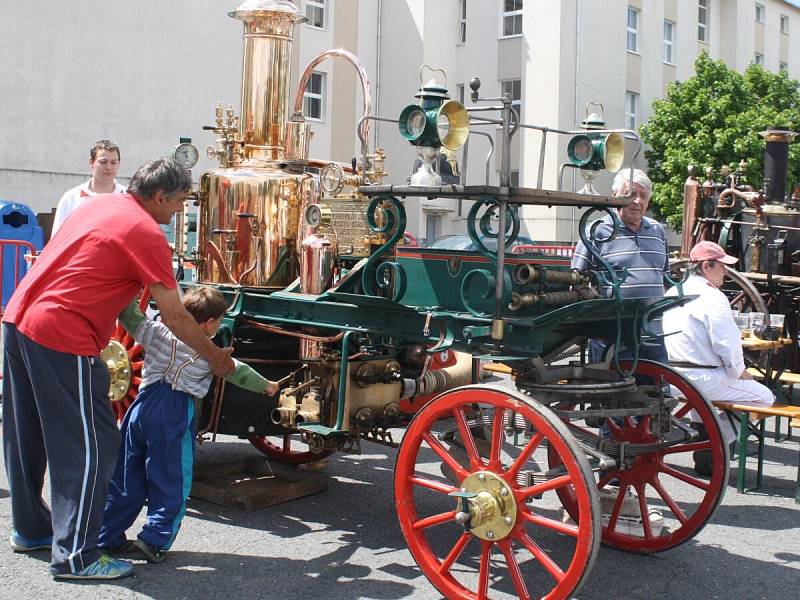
x=115 y=357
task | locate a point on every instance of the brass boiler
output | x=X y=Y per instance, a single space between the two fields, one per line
x=250 y=211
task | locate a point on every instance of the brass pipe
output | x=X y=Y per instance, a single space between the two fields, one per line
x=360 y=70
x=297 y=334
x=746 y=196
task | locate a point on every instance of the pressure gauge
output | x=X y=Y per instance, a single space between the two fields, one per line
x=316 y=215
x=186 y=154
x=313 y=215
x=331 y=179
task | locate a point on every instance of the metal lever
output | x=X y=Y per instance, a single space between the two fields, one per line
x=463 y=516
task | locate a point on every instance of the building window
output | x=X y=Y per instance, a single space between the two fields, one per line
x=631 y=103
x=514 y=179
x=784 y=24
x=702 y=20
x=633 y=30
x=460 y=92
x=462 y=22
x=759 y=59
x=512 y=17
x=759 y=13
x=315 y=13
x=512 y=87
x=314 y=96
x=783 y=67
x=669 y=35
x=433 y=227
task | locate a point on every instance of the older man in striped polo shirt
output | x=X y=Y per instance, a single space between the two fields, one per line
x=641 y=247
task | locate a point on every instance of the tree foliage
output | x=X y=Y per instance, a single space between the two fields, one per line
x=713 y=119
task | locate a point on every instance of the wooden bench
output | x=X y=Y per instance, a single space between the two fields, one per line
x=752 y=417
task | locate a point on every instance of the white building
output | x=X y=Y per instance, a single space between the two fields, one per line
x=148 y=72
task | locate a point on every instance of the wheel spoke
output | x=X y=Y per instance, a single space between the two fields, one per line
x=698 y=483
x=645 y=513
x=287 y=442
x=612 y=520
x=497 y=439
x=455 y=552
x=514 y=570
x=451 y=462
x=681 y=412
x=704 y=445
x=541 y=488
x=433 y=485
x=542 y=556
x=483 y=575
x=469 y=442
x=511 y=475
x=434 y=520
x=565 y=528
x=668 y=500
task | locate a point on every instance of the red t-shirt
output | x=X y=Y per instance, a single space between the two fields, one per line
x=100 y=259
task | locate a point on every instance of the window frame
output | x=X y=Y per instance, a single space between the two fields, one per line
x=761 y=12
x=758 y=58
x=631 y=118
x=511 y=14
x=703 y=24
x=514 y=102
x=783 y=67
x=321 y=96
x=784 y=24
x=462 y=22
x=318 y=5
x=632 y=33
x=669 y=44
x=461 y=92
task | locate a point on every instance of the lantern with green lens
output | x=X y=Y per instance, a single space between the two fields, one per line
x=595 y=150
x=435 y=121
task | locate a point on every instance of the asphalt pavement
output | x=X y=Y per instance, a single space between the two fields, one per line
x=345 y=543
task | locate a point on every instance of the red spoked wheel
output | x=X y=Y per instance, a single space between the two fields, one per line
x=288 y=449
x=660 y=484
x=135 y=354
x=493 y=534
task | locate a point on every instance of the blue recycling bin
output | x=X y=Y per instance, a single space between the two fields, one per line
x=17 y=222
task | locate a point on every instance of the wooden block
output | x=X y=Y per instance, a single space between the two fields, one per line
x=254 y=483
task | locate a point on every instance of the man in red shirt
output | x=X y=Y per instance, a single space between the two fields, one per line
x=56 y=410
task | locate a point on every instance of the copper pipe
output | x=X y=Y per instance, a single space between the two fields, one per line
x=267 y=361
x=746 y=196
x=360 y=70
x=297 y=334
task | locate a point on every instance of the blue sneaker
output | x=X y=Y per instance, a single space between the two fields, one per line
x=21 y=544
x=104 y=567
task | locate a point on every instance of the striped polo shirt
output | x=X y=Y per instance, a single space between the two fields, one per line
x=168 y=359
x=643 y=253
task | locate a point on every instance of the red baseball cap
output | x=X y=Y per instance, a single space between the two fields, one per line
x=711 y=251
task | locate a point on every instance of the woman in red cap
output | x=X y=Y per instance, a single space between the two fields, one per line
x=704 y=343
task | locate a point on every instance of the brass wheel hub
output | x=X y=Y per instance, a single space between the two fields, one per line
x=116 y=359
x=493 y=509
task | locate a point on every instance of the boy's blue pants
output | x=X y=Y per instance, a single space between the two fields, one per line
x=154 y=467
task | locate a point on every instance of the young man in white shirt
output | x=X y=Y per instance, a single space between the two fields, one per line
x=104 y=161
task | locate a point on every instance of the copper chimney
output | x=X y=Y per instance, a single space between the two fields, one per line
x=268 y=30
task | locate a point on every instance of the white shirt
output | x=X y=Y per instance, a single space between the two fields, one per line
x=704 y=330
x=73 y=198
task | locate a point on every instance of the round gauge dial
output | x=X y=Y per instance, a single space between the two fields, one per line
x=313 y=215
x=186 y=154
x=332 y=179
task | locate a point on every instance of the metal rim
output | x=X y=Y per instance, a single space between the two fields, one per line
x=444 y=569
x=282 y=451
x=646 y=472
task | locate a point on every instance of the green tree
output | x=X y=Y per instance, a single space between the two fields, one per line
x=713 y=119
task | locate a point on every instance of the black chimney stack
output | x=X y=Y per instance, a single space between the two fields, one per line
x=776 y=158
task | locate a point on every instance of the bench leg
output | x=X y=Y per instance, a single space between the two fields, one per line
x=744 y=431
x=797 y=486
x=760 y=434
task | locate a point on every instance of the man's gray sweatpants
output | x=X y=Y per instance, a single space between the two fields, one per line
x=56 y=415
